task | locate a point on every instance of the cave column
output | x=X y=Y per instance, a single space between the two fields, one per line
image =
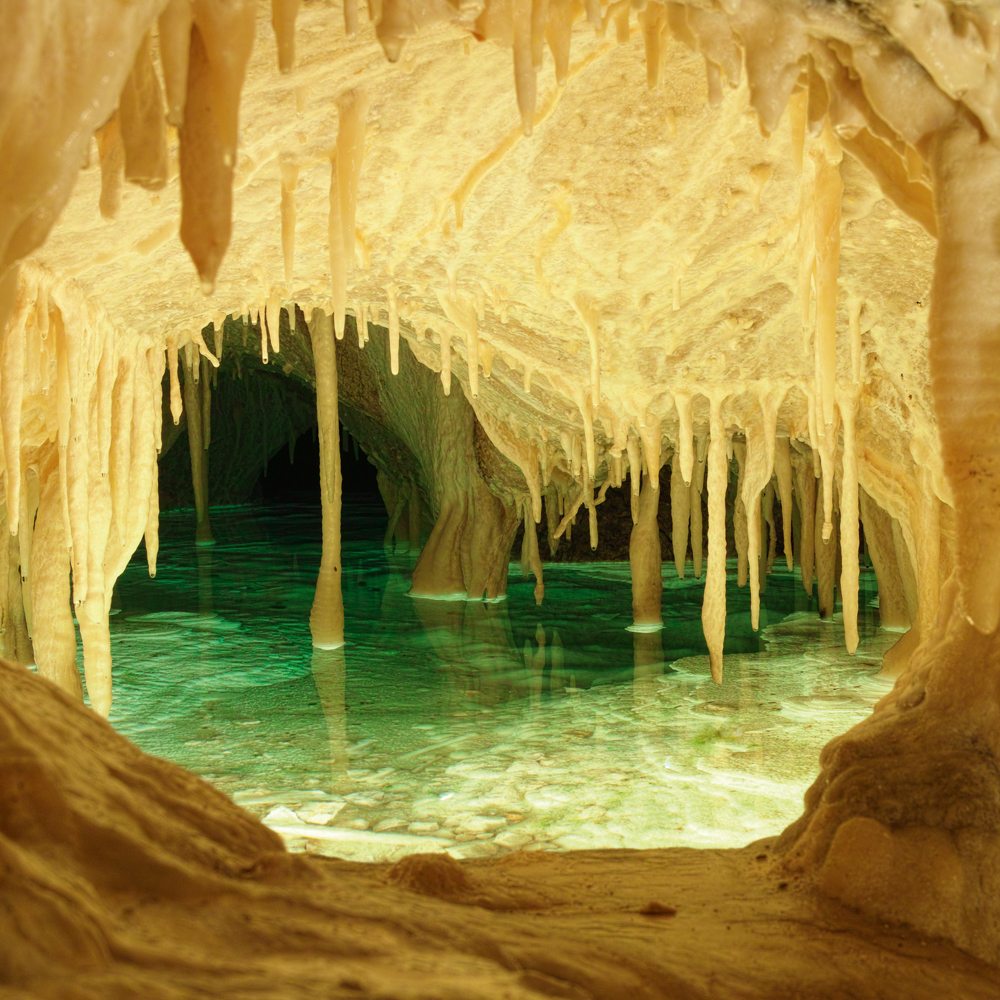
x=326 y=620
x=645 y=558
x=902 y=822
x=55 y=637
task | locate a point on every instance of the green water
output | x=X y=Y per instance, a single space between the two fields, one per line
x=469 y=726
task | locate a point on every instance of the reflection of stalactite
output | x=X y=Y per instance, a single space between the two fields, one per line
x=647 y=654
x=329 y=672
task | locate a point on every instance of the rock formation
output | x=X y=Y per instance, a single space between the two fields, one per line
x=692 y=232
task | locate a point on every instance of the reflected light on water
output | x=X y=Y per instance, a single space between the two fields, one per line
x=475 y=727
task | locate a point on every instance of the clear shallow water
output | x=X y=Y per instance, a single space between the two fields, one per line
x=473 y=727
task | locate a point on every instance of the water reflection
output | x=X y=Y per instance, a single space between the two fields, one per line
x=474 y=727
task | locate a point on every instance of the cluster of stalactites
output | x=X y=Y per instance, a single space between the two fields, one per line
x=819 y=476
x=81 y=408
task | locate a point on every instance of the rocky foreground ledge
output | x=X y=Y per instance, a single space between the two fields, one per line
x=122 y=875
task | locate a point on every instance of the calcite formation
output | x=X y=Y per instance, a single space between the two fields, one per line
x=623 y=235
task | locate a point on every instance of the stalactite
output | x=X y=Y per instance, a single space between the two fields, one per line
x=783 y=474
x=756 y=475
x=143 y=128
x=326 y=619
x=826 y=560
x=174 y=37
x=283 y=15
x=805 y=498
x=680 y=514
x=221 y=40
x=111 y=154
x=697 y=489
x=345 y=174
x=741 y=529
x=713 y=610
x=525 y=84
x=196 y=446
x=532 y=556
x=849 y=533
x=892 y=606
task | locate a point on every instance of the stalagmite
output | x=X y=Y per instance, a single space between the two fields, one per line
x=644 y=561
x=221 y=40
x=326 y=619
x=680 y=513
x=713 y=609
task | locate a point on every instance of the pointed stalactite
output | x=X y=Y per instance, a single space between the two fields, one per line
x=142 y=124
x=849 y=524
x=783 y=474
x=680 y=514
x=198 y=453
x=697 y=520
x=111 y=155
x=757 y=473
x=326 y=620
x=525 y=84
x=174 y=38
x=805 y=499
x=826 y=561
x=713 y=609
x=221 y=40
x=741 y=531
x=283 y=15
x=531 y=556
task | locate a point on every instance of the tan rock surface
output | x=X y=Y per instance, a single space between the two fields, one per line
x=125 y=876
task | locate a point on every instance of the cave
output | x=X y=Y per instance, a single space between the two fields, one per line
x=500 y=499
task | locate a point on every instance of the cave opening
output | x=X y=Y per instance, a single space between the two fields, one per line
x=716 y=271
x=472 y=726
